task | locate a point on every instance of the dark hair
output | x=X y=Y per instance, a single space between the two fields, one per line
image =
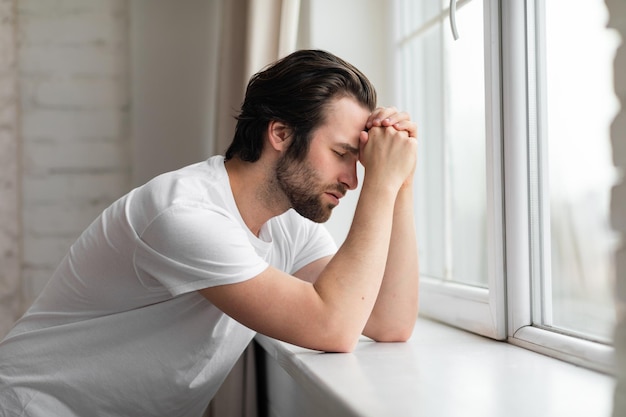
x=295 y=90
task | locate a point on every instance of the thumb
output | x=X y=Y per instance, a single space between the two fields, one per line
x=363 y=137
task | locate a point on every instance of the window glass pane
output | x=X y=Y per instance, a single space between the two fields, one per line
x=577 y=105
x=416 y=15
x=443 y=87
x=420 y=56
x=465 y=130
x=425 y=103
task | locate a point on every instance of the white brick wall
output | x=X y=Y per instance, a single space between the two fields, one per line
x=73 y=61
x=10 y=300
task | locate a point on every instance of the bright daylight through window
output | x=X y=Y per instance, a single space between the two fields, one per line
x=547 y=65
x=572 y=171
x=446 y=85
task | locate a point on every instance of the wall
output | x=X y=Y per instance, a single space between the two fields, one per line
x=64 y=133
x=617 y=20
x=173 y=88
x=73 y=59
x=10 y=225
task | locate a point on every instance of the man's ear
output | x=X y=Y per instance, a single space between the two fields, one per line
x=278 y=135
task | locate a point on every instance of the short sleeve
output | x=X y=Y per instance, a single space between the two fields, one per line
x=308 y=241
x=187 y=248
x=319 y=245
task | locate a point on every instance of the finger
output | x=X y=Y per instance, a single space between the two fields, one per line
x=363 y=137
x=379 y=114
x=396 y=118
x=408 y=126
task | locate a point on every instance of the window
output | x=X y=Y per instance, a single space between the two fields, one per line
x=446 y=85
x=574 y=105
x=568 y=101
x=514 y=169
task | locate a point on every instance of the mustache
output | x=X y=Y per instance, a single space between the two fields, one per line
x=339 y=189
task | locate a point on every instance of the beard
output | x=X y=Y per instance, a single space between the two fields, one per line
x=302 y=186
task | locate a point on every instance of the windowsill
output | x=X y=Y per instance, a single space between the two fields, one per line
x=441 y=371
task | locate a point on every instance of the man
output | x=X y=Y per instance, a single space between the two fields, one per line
x=157 y=299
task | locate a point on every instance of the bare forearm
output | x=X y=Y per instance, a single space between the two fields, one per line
x=395 y=311
x=350 y=283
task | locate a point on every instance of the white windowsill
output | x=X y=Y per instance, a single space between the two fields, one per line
x=441 y=371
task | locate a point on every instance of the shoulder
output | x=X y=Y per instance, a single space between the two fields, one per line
x=197 y=189
x=306 y=240
x=202 y=181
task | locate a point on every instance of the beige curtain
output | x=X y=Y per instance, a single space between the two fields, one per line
x=254 y=33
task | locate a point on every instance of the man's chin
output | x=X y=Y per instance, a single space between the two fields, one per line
x=317 y=217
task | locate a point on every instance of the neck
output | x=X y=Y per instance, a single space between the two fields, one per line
x=257 y=197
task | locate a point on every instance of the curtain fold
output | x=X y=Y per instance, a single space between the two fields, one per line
x=254 y=33
x=272 y=28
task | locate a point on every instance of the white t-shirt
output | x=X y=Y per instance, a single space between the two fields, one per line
x=120 y=329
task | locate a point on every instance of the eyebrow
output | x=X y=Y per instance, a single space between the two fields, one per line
x=349 y=148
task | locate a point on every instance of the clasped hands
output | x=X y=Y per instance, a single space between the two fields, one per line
x=388 y=146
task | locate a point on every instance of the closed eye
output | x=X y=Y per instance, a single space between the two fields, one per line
x=343 y=150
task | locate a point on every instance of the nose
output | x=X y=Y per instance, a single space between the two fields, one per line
x=349 y=177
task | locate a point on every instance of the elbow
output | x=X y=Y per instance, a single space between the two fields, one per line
x=398 y=335
x=341 y=347
x=403 y=332
x=401 y=335
x=391 y=332
x=344 y=342
x=340 y=344
x=337 y=338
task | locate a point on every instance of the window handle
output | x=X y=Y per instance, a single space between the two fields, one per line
x=455 y=33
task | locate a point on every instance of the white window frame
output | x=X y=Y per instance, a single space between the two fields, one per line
x=516 y=82
x=504 y=310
